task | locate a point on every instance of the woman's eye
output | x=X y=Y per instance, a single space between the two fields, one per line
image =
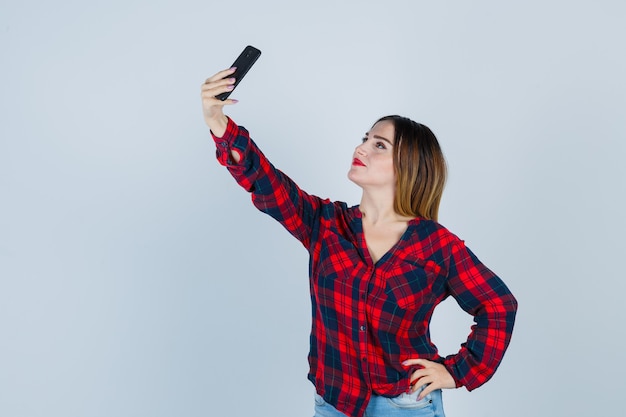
x=380 y=145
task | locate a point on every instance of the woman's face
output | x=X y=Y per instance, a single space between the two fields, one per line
x=372 y=163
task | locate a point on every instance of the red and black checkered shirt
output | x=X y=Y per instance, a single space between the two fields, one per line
x=370 y=317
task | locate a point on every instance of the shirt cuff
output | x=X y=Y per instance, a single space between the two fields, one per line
x=224 y=144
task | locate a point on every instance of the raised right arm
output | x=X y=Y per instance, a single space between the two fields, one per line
x=272 y=191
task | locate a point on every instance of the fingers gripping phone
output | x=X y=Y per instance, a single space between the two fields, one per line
x=243 y=63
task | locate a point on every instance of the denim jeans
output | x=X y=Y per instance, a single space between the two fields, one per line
x=404 y=405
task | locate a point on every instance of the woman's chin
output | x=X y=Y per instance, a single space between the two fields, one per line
x=353 y=176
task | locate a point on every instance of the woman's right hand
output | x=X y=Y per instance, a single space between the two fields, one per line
x=212 y=108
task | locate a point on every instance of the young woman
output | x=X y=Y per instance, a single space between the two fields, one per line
x=377 y=270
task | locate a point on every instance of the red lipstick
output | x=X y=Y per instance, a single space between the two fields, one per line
x=357 y=162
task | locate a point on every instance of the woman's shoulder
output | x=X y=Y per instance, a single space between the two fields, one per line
x=340 y=208
x=433 y=231
x=340 y=213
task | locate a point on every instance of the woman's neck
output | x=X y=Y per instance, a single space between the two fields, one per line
x=378 y=208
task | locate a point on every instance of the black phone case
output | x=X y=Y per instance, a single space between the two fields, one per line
x=243 y=63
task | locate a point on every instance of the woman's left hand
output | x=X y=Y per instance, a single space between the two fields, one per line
x=432 y=374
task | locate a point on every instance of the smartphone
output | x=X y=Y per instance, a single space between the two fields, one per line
x=243 y=63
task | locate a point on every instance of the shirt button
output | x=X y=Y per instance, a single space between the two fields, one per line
x=363 y=296
x=223 y=144
x=362 y=328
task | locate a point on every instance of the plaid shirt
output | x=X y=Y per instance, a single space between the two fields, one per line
x=368 y=318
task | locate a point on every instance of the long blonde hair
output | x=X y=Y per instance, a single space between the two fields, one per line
x=420 y=169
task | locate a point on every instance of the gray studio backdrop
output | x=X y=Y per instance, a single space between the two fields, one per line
x=136 y=279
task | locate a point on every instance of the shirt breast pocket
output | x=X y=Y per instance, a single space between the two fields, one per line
x=338 y=256
x=411 y=284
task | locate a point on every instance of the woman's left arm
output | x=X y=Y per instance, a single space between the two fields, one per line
x=484 y=295
x=481 y=293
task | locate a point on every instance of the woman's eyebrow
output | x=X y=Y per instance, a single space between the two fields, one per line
x=380 y=138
